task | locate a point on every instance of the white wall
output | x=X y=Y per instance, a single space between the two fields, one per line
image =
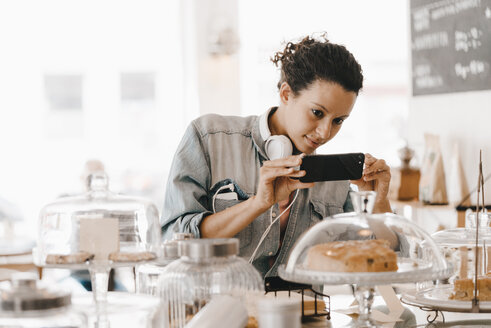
x=376 y=32
x=462 y=118
x=43 y=151
x=216 y=74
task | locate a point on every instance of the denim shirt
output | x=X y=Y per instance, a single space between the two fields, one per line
x=220 y=150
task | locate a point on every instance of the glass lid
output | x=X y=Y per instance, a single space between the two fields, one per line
x=461 y=237
x=98 y=226
x=368 y=249
x=24 y=294
x=466 y=236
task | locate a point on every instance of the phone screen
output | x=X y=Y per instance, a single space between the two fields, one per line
x=332 y=167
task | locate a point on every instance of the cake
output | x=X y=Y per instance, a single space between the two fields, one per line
x=464 y=289
x=352 y=256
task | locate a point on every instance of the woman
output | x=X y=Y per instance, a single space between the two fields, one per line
x=224 y=183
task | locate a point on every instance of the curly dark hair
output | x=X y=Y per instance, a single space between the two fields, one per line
x=308 y=60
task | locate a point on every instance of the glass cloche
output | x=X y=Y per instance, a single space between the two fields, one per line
x=98 y=226
x=26 y=304
x=207 y=267
x=459 y=247
x=97 y=230
x=364 y=250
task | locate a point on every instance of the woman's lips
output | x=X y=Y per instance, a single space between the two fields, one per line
x=312 y=143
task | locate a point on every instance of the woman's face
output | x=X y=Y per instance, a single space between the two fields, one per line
x=315 y=115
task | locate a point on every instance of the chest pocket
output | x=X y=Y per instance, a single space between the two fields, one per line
x=320 y=210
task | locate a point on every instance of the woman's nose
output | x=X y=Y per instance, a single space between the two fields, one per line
x=324 y=131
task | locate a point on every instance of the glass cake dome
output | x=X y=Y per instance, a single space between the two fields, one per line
x=459 y=245
x=468 y=255
x=97 y=230
x=98 y=226
x=368 y=249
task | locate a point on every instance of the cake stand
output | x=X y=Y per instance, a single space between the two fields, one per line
x=413 y=265
x=98 y=223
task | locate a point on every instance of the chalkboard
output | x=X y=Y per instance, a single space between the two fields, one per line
x=450 y=46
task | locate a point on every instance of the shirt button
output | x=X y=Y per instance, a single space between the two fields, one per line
x=273 y=215
x=270 y=253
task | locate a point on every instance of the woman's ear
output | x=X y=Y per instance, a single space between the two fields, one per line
x=285 y=92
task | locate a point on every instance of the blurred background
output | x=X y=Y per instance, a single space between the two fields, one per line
x=119 y=81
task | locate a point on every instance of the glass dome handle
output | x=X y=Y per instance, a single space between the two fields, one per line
x=363 y=201
x=97 y=182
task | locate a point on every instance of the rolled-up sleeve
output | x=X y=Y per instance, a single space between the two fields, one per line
x=186 y=198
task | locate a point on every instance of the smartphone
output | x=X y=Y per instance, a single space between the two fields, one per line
x=332 y=167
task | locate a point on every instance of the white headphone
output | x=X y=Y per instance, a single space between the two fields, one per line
x=277 y=146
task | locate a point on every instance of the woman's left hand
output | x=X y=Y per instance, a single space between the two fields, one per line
x=376 y=177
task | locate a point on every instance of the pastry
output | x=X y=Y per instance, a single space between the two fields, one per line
x=74 y=258
x=352 y=256
x=464 y=289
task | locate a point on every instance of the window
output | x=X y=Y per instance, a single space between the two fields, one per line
x=63 y=92
x=137 y=90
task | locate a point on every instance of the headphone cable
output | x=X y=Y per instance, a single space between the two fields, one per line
x=268 y=229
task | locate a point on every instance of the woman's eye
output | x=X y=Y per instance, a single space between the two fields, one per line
x=317 y=113
x=338 y=121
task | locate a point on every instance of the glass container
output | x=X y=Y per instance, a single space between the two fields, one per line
x=460 y=248
x=25 y=304
x=147 y=275
x=341 y=250
x=97 y=230
x=207 y=267
x=123 y=310
x=459 y=245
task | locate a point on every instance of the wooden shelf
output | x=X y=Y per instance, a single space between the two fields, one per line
x=429 y=217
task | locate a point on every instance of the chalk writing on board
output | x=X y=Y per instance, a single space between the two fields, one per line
x=450 y=45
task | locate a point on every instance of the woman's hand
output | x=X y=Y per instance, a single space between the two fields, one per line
x=376 y=177
x=276 y=183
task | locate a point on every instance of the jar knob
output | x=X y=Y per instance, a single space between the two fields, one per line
x=97 y=181
x=363 y=201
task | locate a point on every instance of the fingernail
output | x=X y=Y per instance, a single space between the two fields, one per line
x=302 y=155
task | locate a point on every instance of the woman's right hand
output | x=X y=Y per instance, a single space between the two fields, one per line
x=276 y=183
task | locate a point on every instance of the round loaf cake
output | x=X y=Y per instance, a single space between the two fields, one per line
x=352 y=256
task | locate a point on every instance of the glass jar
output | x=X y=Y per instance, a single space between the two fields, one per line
x=207 y=267
x=24 y=304
x=76 y=230
x=147 y=275
x=123 y=310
